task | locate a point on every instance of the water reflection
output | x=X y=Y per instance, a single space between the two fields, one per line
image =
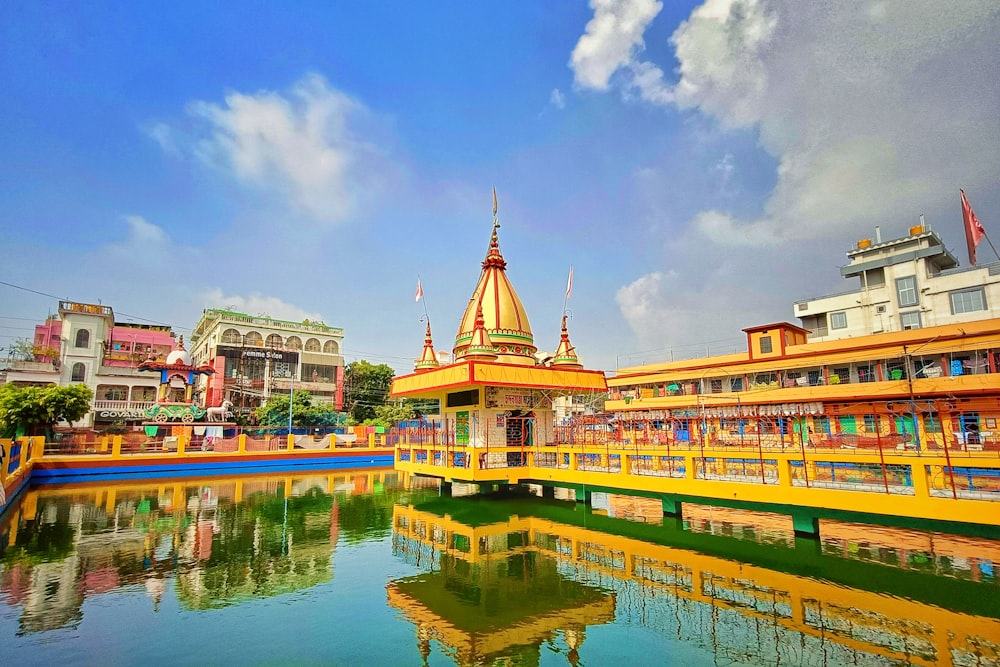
x=221 y=541
x=747 y=591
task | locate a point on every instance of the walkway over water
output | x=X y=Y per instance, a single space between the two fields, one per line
x=806 y=482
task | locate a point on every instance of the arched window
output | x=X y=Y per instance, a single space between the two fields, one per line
x=79 y=372
x=330 y=347
x=293 y=343
x=312 y=345
x=83 y=338
x=231 y=337
x=255 y=339
x=274 y=340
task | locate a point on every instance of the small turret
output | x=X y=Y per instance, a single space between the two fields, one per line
x=428 y=359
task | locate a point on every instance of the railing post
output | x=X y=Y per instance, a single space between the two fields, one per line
x=182 y=441
x=37 y=448
x=116 y=447
x=241 y=443
x=918 y=474
x=291 y=441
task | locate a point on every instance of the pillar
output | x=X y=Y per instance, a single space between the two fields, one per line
x=805 y=525
x=671 y=507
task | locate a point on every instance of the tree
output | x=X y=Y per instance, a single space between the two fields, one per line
x=22 y=349
x=28 y=410
x=366 y=387
x=306 y=411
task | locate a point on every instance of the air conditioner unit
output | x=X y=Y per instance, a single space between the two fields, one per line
x=880 y=309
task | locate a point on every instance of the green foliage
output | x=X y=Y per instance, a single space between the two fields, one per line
x=305 y=412
x=32 y=409
x=388 y=415
x=367 y=387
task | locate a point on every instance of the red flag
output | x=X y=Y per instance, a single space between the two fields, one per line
x=569 y=283
x=420 y=291
x=974 y=232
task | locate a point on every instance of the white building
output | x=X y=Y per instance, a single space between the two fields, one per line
x=94 y=350
x=257 y=356
x=906 y=283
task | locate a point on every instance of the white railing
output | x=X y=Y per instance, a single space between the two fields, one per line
x=120 y=409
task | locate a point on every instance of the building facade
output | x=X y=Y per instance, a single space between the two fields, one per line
x=256 y=357
x=906 y=283
x=84 y=345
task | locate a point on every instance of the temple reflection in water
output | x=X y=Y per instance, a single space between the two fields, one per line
x=738 y=610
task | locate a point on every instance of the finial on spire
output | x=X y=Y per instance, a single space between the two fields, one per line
x=496 y=220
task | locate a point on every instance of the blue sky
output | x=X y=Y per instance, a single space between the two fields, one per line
x=701 y=165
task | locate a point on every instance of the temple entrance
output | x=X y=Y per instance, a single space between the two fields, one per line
x=520 y=433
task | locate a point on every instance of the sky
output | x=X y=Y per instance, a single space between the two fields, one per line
x=700 y=166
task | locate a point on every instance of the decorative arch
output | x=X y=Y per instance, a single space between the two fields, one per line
x=330 y=347
x=312 y=345
x=254 y=339
x=274 y=340
x=79 y=372
x=293 y=343
x=231 y=337
x=83 y=338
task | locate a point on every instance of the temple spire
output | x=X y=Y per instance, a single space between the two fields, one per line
x=428 y=359
x=565 y=356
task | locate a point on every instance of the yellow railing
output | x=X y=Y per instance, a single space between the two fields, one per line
x=929 y=486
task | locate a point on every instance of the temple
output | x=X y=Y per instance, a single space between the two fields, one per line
x=498 y=391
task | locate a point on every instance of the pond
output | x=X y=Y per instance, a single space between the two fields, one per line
x=359 y=568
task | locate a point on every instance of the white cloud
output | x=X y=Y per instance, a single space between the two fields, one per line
x=303 y=145
x=163 y=135
x=612 y=39
x=868 y=113
x=557 y=99
x=257 y=304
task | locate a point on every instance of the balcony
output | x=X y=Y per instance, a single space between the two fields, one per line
x=118 y=410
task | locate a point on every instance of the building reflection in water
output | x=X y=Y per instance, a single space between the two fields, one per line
x=221 y=541
x=471 y=597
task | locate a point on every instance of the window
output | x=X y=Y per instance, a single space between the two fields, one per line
x=843 y=375
x=906 y=291
x=79 y=372
x=312 y=345
x=967 y=300
x=867 y=374
x=910 y=320
x=737 y=384
x=838 y=320
x=231 y=337
x=717 y=386
x=254 y=339
x=330 y=347
x=293 y=343
x=274 y=340
x=765 y=344
x=83 y=338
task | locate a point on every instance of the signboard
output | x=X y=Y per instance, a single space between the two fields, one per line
x=514 y=399
x=264 y=353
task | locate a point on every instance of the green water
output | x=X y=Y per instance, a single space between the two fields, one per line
x=354 y=568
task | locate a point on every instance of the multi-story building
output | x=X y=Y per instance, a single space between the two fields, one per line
x=905 y=283
x=84 y=345
x=257 y=356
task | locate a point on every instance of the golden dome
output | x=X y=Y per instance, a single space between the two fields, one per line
x=504 y=318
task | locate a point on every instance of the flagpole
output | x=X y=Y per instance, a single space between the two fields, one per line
x=423 y=299
x=987 y=237
x=569 y=288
